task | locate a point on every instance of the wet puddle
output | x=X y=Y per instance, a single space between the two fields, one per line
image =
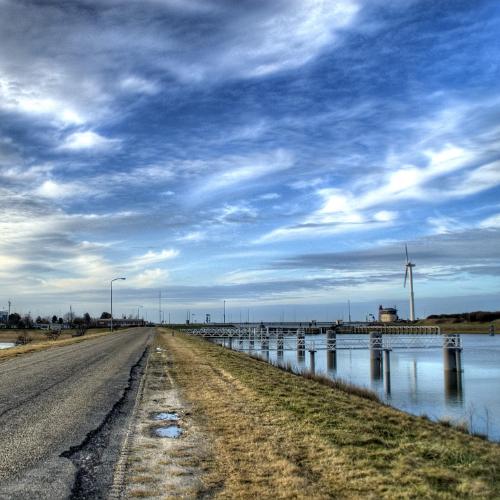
x=170 y=417
x=7 y=345
x=171 y=431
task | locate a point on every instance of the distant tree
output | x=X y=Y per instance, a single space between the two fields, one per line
x=78 y=321
x=87 y=319
x=28 y=322
x=54 y=319
x=38 y=320
x=14 y=319
x=60 y=321
x=105 y=315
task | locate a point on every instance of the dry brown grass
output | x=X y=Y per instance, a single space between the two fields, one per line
x=40 y=345
x=276 y=434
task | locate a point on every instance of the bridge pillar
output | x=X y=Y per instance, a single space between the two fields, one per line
x=251 y=339
x=376 y=355
x=312 y=360
x=492 y=330
x=387 y=371
x=230 y=342
x=452 y=363
x=331 y=350
x=301 y=345
x=280 y=344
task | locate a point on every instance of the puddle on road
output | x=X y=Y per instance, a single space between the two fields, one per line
x=7 y=345
x=171 y=417
x=171 y=431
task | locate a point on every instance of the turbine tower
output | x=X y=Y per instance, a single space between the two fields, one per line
x=409 y=274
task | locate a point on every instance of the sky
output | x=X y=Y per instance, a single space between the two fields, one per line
x=274 y=154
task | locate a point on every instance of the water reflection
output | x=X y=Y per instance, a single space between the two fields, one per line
x=414 y=380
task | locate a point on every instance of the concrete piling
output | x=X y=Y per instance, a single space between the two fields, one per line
x=331 y=350
x=452 y=364
x=387 y=371
x=376 y=355
x=280 y=344
x=312 y=360
x=301 y=345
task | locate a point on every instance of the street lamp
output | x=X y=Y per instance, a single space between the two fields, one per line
x=114 y=279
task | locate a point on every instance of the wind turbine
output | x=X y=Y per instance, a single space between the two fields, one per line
x=409 y=273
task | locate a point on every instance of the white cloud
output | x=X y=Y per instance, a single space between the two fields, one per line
x=149 y=278
x=88 y=140
x=269 y=196
x=492 y=222
x=57 y=190
x=239 y=171
x=139 y=85
x=155 y=257
x=352 y=208
x=194 y=236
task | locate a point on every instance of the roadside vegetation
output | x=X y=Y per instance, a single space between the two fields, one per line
x=449 y=325
x=37 y=340
x=272 y=433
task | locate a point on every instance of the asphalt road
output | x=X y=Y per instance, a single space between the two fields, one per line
x=51 y=400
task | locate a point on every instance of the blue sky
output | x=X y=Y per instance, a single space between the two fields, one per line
x=275 y=154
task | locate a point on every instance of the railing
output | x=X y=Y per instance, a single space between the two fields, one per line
x=247 y=339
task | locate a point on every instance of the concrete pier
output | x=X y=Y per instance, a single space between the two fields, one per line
x=331 y=350
x=452 y=364
x=301 y=345
x=280 y=344
x=452 y=353
x=312 y=360
x=251 y=339
x=376 y=355
x=387 y=371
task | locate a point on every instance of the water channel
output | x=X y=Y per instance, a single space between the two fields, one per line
x=417 y=380
x=7 y=345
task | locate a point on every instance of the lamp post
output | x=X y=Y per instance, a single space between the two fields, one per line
x=114 y=279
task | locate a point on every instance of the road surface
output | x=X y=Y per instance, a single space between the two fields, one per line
x=53 y=405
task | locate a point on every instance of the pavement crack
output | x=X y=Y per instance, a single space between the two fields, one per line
x=96 y=455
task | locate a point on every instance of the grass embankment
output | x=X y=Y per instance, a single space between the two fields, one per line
x=464 y=327
x=40 y=341
x=276 y=434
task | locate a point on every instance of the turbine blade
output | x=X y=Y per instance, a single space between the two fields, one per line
x=406 y=276
x=406 y=250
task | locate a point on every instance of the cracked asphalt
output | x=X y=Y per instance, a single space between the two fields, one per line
x=50 y=400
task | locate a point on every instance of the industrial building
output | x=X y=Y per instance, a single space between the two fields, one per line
x=387 y=314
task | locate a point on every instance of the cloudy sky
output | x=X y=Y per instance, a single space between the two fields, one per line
x=274 y=153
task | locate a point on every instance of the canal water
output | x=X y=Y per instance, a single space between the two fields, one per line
x=417 y=381
x=6 y=345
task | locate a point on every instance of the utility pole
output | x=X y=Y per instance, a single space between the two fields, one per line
x=349 y=309
x=224 y=312
x=9 y=311
x=159 y=307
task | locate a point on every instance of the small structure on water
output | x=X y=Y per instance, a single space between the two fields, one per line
x=387 y=314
